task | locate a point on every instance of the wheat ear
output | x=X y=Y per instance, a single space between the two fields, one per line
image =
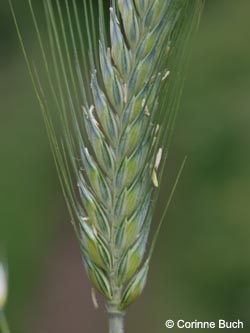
x=116 y=101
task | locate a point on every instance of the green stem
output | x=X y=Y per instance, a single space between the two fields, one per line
x=116 y=321
x=4 y=324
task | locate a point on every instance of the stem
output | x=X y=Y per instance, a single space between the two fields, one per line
x=4 y=324
x=116 y=321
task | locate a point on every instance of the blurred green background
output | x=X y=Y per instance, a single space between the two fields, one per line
x=201 y=268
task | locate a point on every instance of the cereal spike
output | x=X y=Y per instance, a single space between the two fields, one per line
x=109 y=91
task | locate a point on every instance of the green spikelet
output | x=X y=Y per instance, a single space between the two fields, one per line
x=116 y=94
x=135 y=287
